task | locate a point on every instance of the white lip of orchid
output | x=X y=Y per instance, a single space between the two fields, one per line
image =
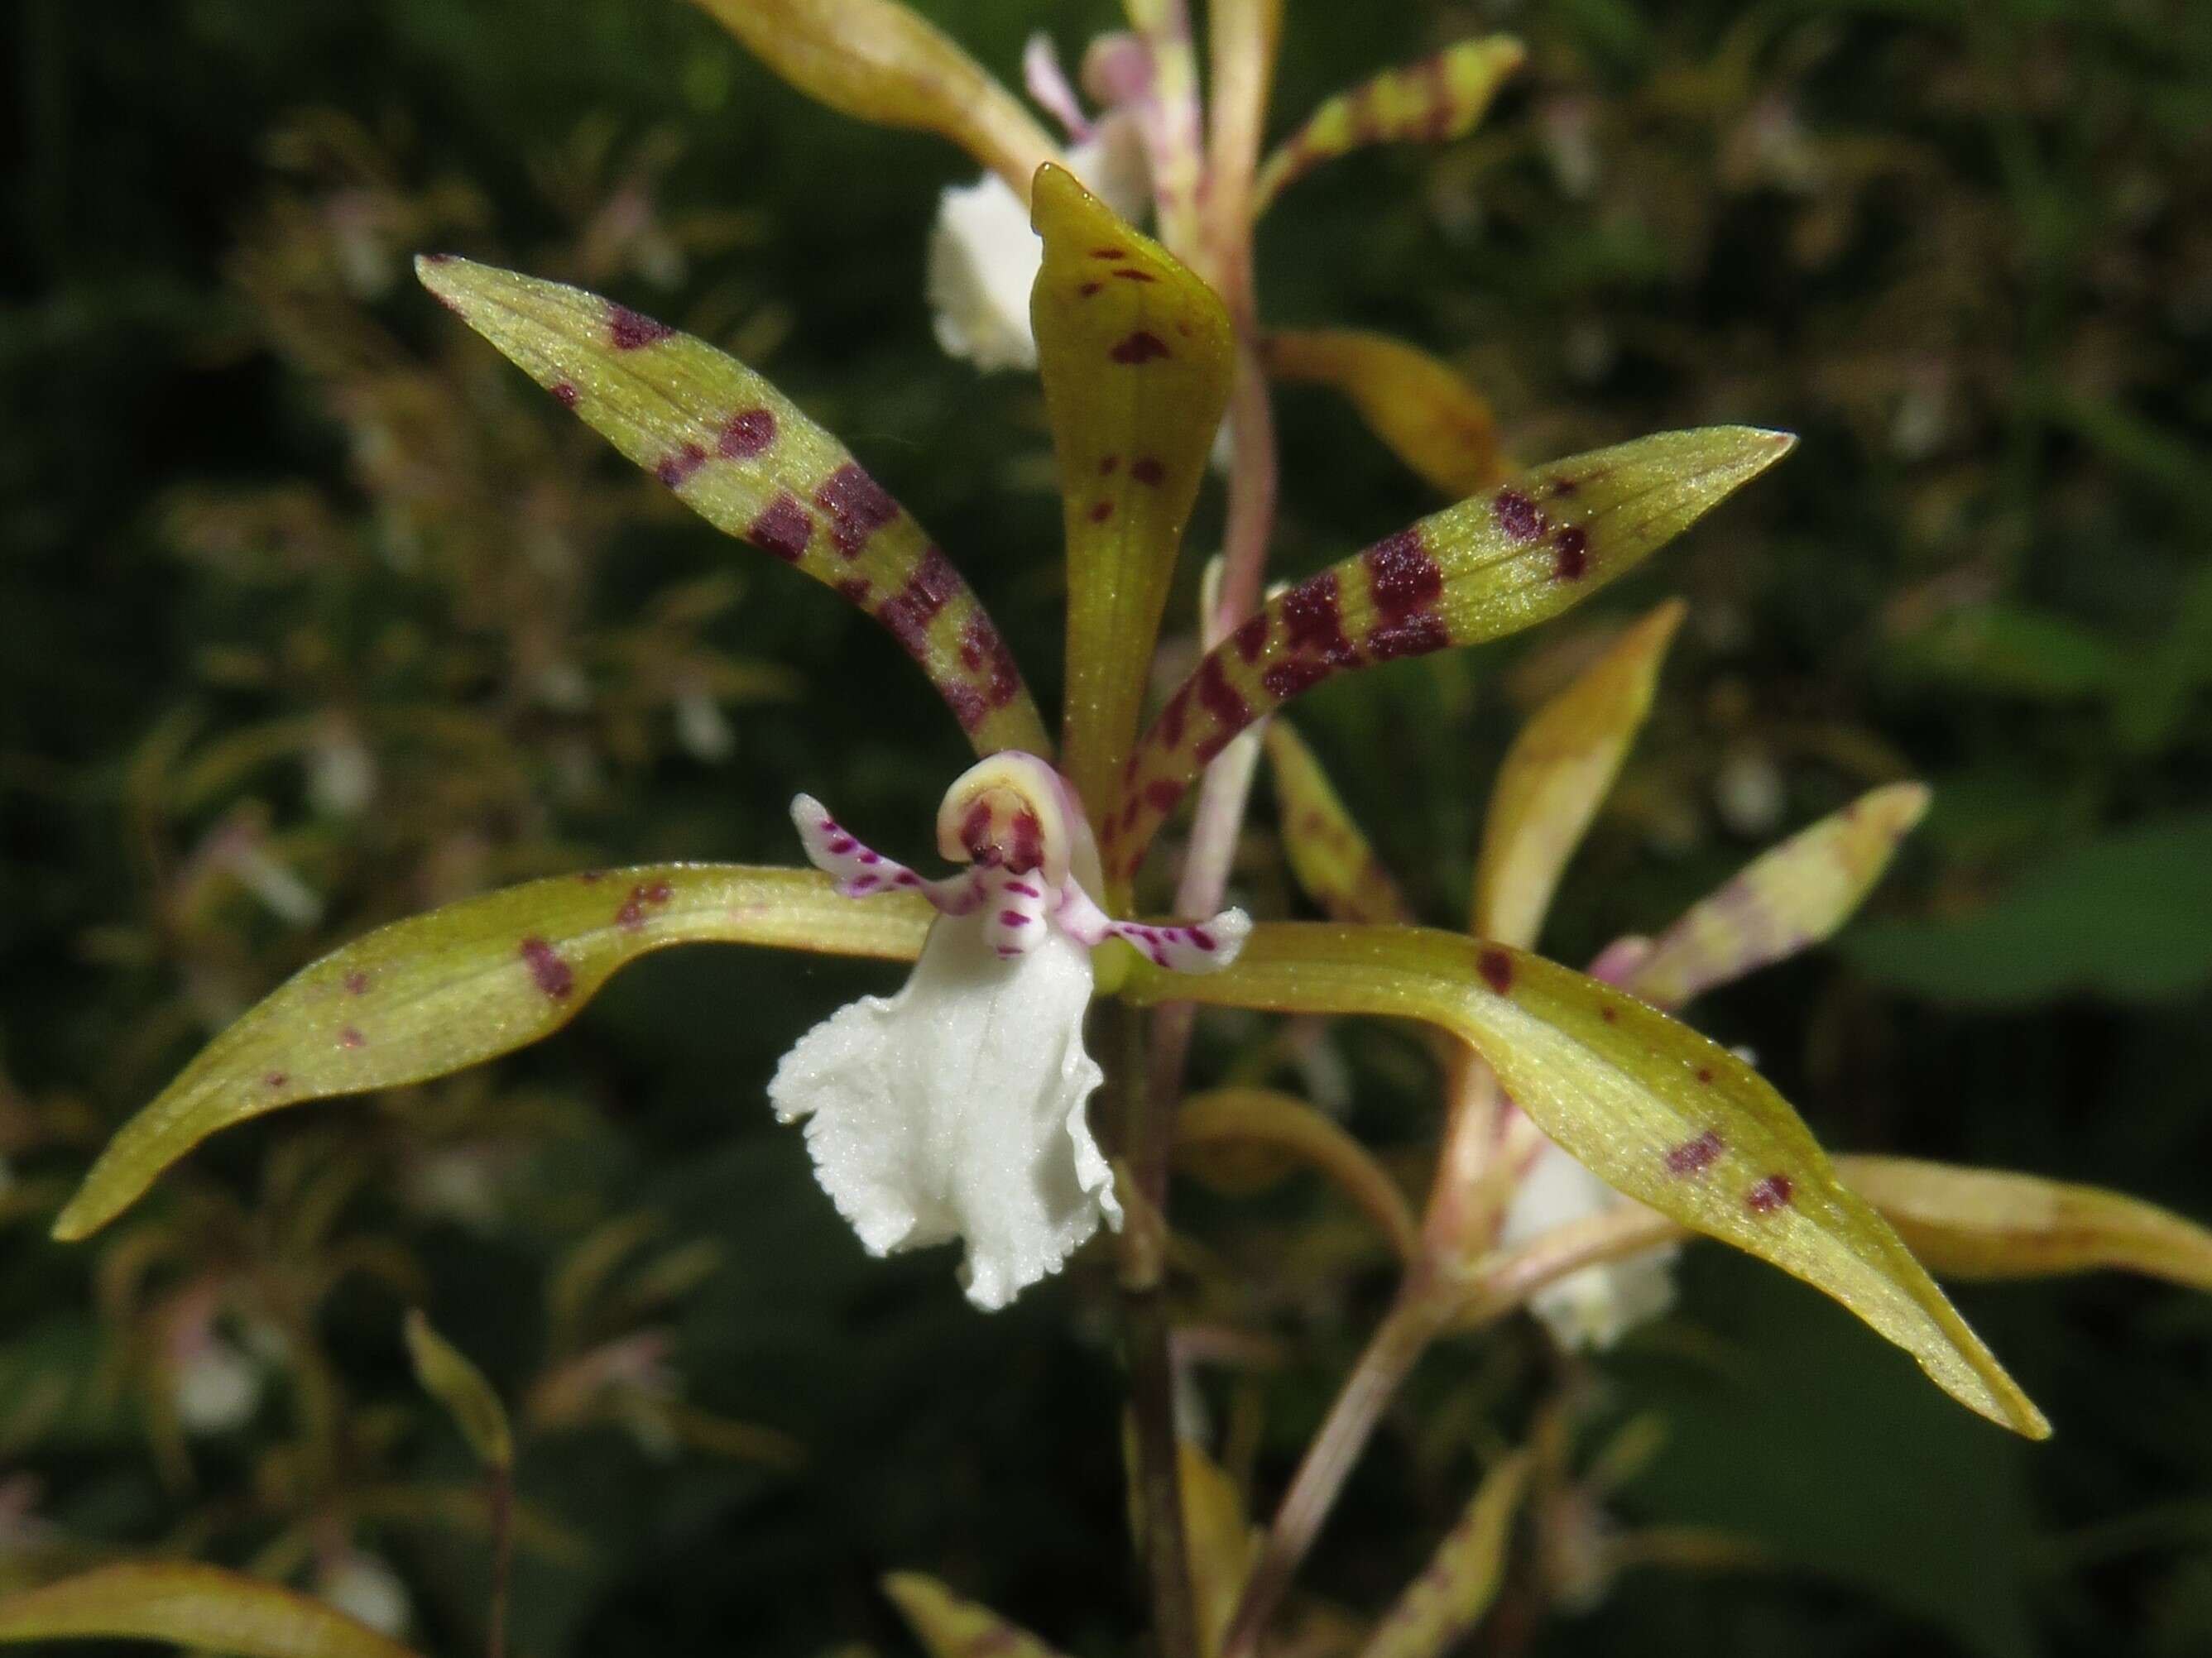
x=984 y=256
x=1593 y=1308
x=956 y=1108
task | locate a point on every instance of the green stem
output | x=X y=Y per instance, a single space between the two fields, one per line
x=1147 y=1145
x=1397 y=1344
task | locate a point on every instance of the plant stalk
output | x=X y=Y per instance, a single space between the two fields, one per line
x=1147 y=1145
x=1412 y=1322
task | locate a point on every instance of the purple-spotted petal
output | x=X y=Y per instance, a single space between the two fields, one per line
x=1657 y=1111
x=1488 y=567
x=1431 y=102
x=1136 y=354
x=1786 y=900
x=437 y=992
x=741 y=455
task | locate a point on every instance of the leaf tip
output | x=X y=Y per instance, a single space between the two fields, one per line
x=81 y=1217
x=1052 y=191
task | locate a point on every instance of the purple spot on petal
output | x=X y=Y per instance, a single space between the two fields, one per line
x=628 y=330
x=1138 y=347
x=749 y=432
x=1401 y=577
x=1517 y=515
x=1497 y=969
x=675 y=470
x=1769 y=1194
x=1694 y=1157
x=858 y=506
x=783 y=528
x=551 y=975
x=1571 y=554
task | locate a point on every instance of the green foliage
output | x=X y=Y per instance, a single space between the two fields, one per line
x=2127 y=916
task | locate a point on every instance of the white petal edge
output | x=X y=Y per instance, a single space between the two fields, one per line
x=957 y=1109
x=984 y=257
x=1591 y=1309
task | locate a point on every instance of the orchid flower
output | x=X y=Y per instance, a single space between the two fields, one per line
x=1135 y=353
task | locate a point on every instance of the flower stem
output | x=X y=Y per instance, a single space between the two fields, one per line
x=1147 y=1145
x=1412 y=1322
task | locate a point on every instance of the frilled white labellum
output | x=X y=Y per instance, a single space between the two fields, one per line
x=1594 y=1308
x=956 y=1108
x=984 y=257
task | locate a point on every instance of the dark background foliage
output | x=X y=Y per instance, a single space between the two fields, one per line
x=310 y=616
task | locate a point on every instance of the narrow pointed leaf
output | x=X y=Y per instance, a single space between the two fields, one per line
x=1448 y=1600
x=1488 y=567
x=1283 y=1123
x=202 y=1607
x=741 y=455
x=447 y=1376
x=883 y=62
x=1423 y=410
x=950 y=1627
x=437 y=992
x=1784 y=901
x=1436 y=100
x=1135 y=352
x=1330 y=857
x=1556 y=776
x=1655 y=1110
x=1989 y=1224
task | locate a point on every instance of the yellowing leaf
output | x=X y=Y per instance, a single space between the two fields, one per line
x=1267 y=1117
x=1449 y=1599
x=1135 y=353
x=950 y=1627
x=1653 y=1109
x=1329 y=856
x=1423 y=410
x=1488 y=567
x=1557 y=774
x=447 y=1376
x=192 y=1605
x=434 y=994
x=1438 y=99
x=741 y=455
x=1220 y=1538
x=1784 y=901
x=883 y=62
x=1987 y=1224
